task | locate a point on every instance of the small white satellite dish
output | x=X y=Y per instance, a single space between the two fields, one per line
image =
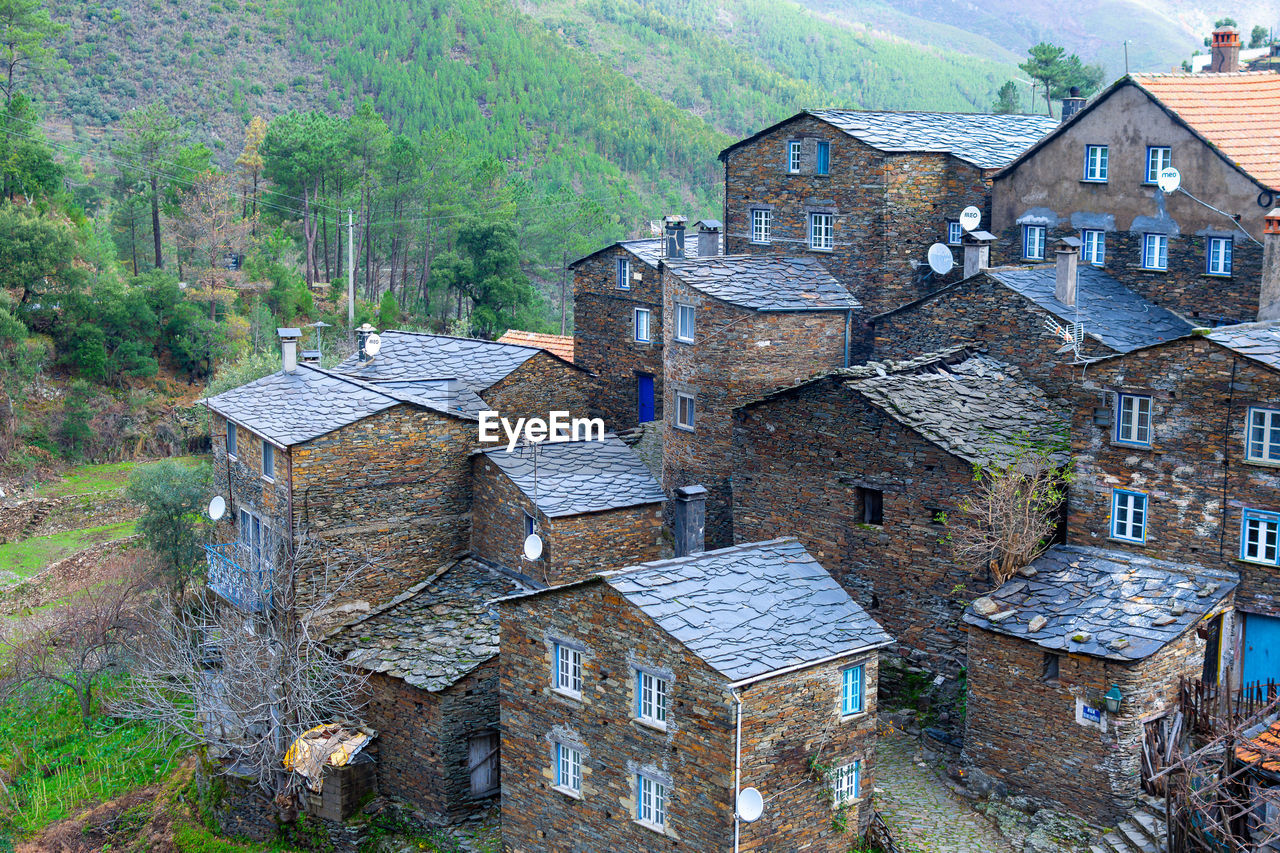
x=532 y=546
x=940 y=260
x=217 y=507
x=750 y=805
x=1169 y=179
x=372 y=344
x=970 y=218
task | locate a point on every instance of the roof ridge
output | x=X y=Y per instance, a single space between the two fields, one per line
x=688 y=558
x=455 y=338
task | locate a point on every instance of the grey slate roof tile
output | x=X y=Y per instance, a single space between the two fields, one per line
x=574 y=477
x=1108 y=594
x=1112 y=313
x=1258 y=341
x=765 y=282
x=648 y=250
x=413 y=355
x=805 y=617
x=985 y=140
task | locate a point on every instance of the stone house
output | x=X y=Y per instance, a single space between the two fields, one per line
x=737 y=327
x=868 y=192
x=1177 y=447
x=1095 y=178
x=558 y=345
x=1048 y=646
x=637 y=702
x=865 y=464
x=593 y=503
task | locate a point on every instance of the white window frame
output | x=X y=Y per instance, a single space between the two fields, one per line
x=1157 y=161
x=1130 y=503
x=1093 y=246
x=846 y=781
x=1225 y=256
x=690 y=423
x=646 y=337
x=652 y=699
x=1264 y=548
x=566 y=674
x=624 y=273
x=685 y=318
x=761 y=225
x=793 y=157
x=1133 y=419
x=859 y=704
x=268 y=461
x=1262 y=431
x=568 y=769
x=232 y=440
x=822 y=232
x=1095 y=163
x=1155 y=252
x=1037 y=244
x=651 y=802
x=955 y=233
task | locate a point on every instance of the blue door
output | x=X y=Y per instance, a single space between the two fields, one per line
x=1261 y=649
x=644 y=391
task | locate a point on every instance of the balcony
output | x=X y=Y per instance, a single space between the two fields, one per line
x=238 y=578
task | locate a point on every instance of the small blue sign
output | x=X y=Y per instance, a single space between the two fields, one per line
x=1093 y=715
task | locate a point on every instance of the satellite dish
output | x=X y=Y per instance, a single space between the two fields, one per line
x=750 y=805
x=970 y=218
x=217 y=507
x=372 y=344
x=940 y=260
x=532 y=546
x=1169 y=179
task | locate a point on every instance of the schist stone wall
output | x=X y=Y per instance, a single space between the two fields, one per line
x=888 y=208
x=803 y=461
x=542 y=384
x=737 y=354
x=1195 y=474
x=574 y=547
x=1023 y=729
x=786 y=722
x=604 y=341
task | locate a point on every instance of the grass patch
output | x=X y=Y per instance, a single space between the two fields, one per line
x=25 y=558
x=109 y=477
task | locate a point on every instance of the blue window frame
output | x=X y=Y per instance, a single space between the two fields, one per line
x=1033 y=239
x=1155 y=251
x=568 y=768
x=1262 y=441
x=642 y=325
x=651 y=698
x=1095 y=163
x=1260 y=537
x=1128 y=515
x=1158 y=157
x=268 y=460
x=1218 y=256
x=846 y=783
x=651 y=802
x=231 y=439
x=1093 y=249
x=624 y=273
x=567 y=674
x=852 y=690
x=1133 y=419
x=955 y=234
x=824 y=158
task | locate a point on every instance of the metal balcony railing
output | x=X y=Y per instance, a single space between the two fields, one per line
x=236 y=577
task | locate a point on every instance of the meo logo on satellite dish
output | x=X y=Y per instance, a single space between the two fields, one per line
x=559 y=426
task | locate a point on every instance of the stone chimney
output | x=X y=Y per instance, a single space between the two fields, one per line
x=362 y=340
x=708 y=237
x=289 y=349
x=673 y=236
x=1269 y=295
x=977 y=252
x=1225 y=50
x=1064 y=282
x=1072 y=104
x=690 y=520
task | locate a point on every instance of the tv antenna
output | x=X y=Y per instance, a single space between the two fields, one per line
x=373 y=344
x=750 y=805
x=940 y=259
x=970 y=218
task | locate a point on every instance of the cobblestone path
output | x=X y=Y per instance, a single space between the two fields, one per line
x=921 y=812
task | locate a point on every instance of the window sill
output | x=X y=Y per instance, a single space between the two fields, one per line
x=652 y=827
x=760 y=242
x=1115 y=442
x=1153 y=269
x=849 y=718
x=568 y=792
x=651 y=725
x=852 y=801
x=1262 y=463
x=623 y=288
x=1249 y=562
x=680 y=340
x=1102 y=181
x=683 y=428
x=1225 y=275
x=231 y=457
x=267 y=479
x=1127 y=541
x=645 y=342
x=1032 y=260
x=823 y=251
x=566 y=694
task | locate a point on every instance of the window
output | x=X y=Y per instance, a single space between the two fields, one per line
x=823 y=166
x=955 y=234
x=1128 y=516
x=624 y=273
x=872 y=501
x=1260 y=537
x=568 y=673
x=569 y=769
x=652 y=811
x=231 y=439
x=482 y=763
x=1033 y=242
x=821 y=233
x=761 y=220
x=851 y=691
x=845 y=782
x=1094 y=246
x=1155 y=252
x=684 y=323
x=684 y=410
x=651 y=698
x=530 y=525
x=1049 y=668
x=1133 y=419
x=1095 y=163
x=268 y=461
x=1158 y=158
x=1219 y=255
x=793 y=156
x=256 y=542
x=642 y=325
x=1264 y=436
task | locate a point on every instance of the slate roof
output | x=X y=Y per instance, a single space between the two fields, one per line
x=560 y=345
x=435 y=632
x=576 y=477
x=440 y=394
x=1108 y=604
x=1258 y=341
x=648 y=250
x=1112 y=313
x=750 y=610
x=415 y=355
x=977 y=409
x=765 y=282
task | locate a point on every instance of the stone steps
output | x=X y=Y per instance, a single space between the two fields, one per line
x=1141 y=832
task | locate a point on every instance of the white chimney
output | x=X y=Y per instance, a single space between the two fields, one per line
x=1064 y=284
x=289 y=349
x=708 y=237
x=977 y=252
x=1269 y=293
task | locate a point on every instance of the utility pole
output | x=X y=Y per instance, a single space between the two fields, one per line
x=351 y=272
x=1126 y=57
